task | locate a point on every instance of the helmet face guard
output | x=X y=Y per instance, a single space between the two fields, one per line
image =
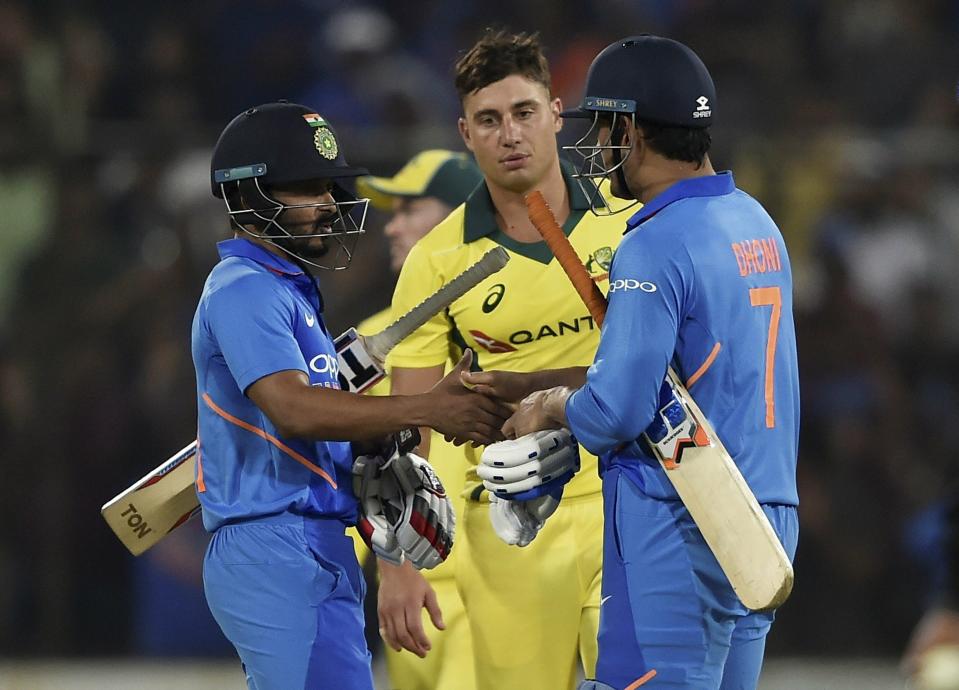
x=347 y=216
x=592 y=169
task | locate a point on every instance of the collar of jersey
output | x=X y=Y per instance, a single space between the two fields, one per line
x=304 y=282
x=479 y=219
x=242 y=247
x=707 y=185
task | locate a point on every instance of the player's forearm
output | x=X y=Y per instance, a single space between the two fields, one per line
x=313 y=412
x=570 y=377
x=410 y=381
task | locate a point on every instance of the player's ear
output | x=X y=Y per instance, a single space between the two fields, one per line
x=629 y=133
x=556 y=107
x=464 y=132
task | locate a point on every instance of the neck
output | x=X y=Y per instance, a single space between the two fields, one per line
x=665 y=173
x=268 y=246
x=510 y=205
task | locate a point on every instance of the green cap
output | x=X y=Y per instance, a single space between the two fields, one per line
x=445 y=175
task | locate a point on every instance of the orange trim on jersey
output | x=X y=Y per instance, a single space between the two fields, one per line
x=272 y=439
x=769 y=296
x=705 y=366
x=200 y=484
x=642 y=680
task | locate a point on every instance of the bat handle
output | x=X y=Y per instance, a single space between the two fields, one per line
x=380 y=344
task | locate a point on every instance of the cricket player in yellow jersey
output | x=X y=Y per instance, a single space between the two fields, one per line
x=419 y=196
x=533 y=611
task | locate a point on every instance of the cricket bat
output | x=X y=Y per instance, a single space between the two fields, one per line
x=694 y=459
x=166 y=498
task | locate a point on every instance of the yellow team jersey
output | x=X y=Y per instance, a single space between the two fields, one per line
x=444 y=457
x=526 y=317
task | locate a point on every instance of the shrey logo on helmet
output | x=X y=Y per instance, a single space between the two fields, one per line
x=703 y=109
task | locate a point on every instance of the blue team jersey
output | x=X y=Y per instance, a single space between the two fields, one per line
x=259 y=315
x=701 y=282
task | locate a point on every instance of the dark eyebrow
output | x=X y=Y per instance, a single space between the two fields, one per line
x=519 y=105
x=488 y=111
x=528 y=103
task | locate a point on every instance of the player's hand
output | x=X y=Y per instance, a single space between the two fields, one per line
x=462 y=415
x=508 y=386
x=539 y=410
x=529 y=466
x=939 y=627
x=403 y=592
x=518 y=522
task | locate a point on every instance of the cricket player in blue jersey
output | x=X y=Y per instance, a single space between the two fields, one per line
x=701 y=282
x=276 y=469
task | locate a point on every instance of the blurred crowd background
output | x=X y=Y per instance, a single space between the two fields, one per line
x=840 y=117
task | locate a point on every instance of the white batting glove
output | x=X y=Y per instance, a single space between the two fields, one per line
x=373 y=525
x=426 y=524
x=518 y=522
x=530 y=466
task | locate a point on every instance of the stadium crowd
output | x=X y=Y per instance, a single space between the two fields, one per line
x=846 y=129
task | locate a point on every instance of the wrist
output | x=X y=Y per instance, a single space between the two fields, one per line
x=555 y=404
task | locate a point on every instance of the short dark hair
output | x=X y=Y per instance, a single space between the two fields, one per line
x=497 y=55
x=677 y=143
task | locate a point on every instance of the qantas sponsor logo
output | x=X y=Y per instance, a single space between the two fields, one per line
x=583 y=324
x=490 y=343
x=558 y=329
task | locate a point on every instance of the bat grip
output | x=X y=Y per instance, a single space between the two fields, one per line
x=545 y=223
x=380 y=344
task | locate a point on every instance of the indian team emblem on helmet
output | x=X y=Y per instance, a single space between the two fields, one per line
x=600 y=260
x=323 y=137
x=326 y=143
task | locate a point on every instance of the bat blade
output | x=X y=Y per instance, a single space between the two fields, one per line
x=155 y=505
x=696 y=462
x=720 y=502
x=166 y=497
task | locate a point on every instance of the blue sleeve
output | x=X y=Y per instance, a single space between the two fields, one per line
x=647 y=298
x=252 y=323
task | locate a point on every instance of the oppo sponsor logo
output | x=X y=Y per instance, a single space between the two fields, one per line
x=625 y=284
x=325 y=364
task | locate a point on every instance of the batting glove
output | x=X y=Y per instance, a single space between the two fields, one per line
x=425 y=523
x=534 y=465
x=518 y=522
x=379 y=508
x=373 y=525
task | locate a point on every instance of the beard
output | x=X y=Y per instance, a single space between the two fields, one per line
x=306 y=247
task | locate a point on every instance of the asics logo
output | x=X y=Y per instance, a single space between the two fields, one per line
x=624 y=284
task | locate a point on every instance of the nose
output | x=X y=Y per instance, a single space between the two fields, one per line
x=510 y=131
x=392 y=228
